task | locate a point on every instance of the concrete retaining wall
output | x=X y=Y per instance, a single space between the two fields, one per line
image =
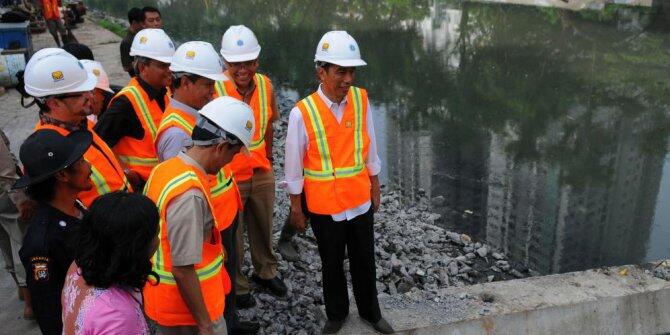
x=573 y=4
x=620 y=300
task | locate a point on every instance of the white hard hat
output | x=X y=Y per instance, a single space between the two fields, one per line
x=231 y=115
x=239 y=44
x=339 y=48
x=99 y=72
x=43 y=53
x=199 y=58
x=57 y=73
x=154 y=44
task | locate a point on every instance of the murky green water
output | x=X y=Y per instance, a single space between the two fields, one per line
x=541 y=131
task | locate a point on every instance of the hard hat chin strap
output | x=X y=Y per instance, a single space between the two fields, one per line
x=221 y=135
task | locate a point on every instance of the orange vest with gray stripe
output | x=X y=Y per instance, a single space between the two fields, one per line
x=106 y=173
x=140 y=155
x=163 y=302
x=225 y=194
x=336 y=178
x=261 y=104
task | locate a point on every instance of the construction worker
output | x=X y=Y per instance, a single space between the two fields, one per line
x=130 y=123
x=62 y=90
x=102 y=93
x=195 y=67
x=55 y=174
x=331 y=142
x=254 y=174
x=51 y=13
x=189 y=298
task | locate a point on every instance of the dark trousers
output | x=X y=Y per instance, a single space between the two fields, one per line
x=230 y=245
x=358 y=237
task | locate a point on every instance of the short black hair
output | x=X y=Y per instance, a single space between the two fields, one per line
x=114 y=241
x=79 y=51
x=149 y=9
x=135 y=15
x=176 y=79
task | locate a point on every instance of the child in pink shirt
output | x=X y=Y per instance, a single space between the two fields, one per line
x=103 y=286
x=89 y=310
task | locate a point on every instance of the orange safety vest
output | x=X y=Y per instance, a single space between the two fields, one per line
x=261 y=104
x=140 y=155
x=50 y=9
x=106 y=173
x=163 y=302
x=336 y=178
x=225 y=194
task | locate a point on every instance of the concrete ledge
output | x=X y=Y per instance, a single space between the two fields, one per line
x=572 y=4
x=619 y=300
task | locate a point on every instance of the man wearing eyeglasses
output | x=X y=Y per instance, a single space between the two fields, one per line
x=254 y=175
x=62 y=89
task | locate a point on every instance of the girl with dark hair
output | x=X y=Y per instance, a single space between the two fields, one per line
x=103 y=287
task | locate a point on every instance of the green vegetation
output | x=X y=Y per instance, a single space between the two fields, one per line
x=113 y=27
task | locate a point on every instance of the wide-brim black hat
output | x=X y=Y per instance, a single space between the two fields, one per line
x=46 y=152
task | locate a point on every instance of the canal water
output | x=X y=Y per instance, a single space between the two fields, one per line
x=542 y=132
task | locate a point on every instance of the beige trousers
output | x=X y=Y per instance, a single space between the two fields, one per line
x=258 y=197
x=12 y=231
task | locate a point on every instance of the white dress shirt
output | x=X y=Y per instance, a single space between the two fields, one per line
x=297 y=144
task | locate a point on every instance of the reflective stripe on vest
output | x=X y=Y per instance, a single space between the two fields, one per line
x=225 y=197
x=144 y=109
x=138 y=161
x=223 y=183
x=262 y=94
x=98 y=180
x=327 y=172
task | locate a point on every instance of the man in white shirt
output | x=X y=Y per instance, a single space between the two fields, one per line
x=331 y=156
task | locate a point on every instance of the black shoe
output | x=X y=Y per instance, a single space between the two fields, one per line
x=332 y=326
x=275 y=285
x=245 y=327
x=287 y=250
x=381 y=326
x=244 y=301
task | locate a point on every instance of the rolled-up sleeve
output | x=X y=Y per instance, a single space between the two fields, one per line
x=294 y=152
x=372 y=161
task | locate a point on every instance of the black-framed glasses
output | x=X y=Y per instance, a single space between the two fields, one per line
x=69 y=95
x=246 y=64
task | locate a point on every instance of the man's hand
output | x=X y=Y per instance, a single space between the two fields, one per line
x=206 y=330
x=298 y=220
x=135 y=179
x=375 y=193
x=296 y=216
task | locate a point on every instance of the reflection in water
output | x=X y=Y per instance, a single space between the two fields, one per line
x=545 y=131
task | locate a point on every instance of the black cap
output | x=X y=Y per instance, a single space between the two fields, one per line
x=45 y=152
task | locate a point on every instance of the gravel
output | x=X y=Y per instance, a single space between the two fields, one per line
x=415 y=259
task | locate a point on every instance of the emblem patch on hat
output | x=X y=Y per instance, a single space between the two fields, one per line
x=57 y=75
x=190 y=54
x=240 y=43
x=143 y=40
x=325 y=46
x=352 y=47
x=96 y=72
x=249 y=125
